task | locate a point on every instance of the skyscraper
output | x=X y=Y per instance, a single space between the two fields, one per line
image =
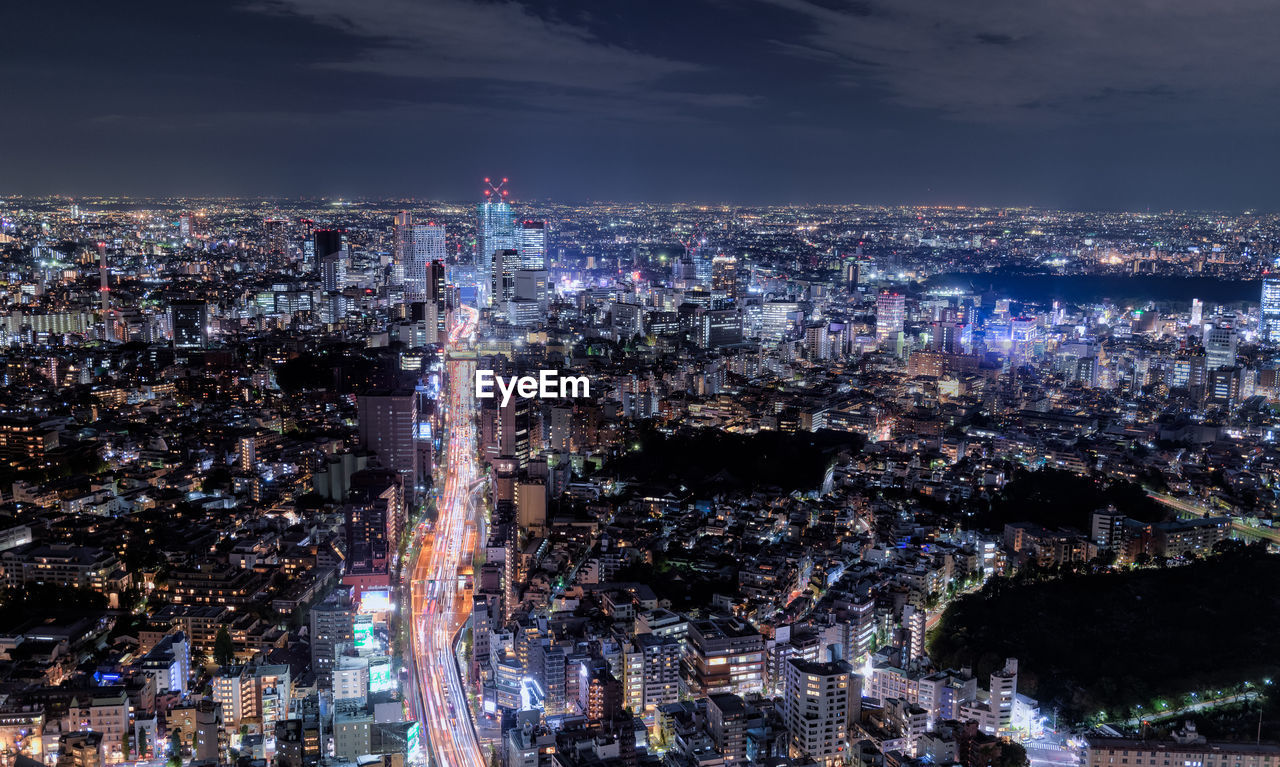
x=423 y=246
x=104 y=292
x=890 y=314
x=1197 y=314
x=495 y=230
x=400 y=243
x=531 y=242
x=331 y=257
x=388 y=422
x=506 y=261
x=1270 y=327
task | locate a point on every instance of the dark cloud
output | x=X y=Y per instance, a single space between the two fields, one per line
x=466 y=40
x=987 y=60
x=1164 y=103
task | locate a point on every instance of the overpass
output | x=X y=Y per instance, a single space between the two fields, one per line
x=1197 y=509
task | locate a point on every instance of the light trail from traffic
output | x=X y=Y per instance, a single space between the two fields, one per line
x=437 y=598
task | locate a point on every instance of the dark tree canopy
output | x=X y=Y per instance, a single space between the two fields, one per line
x=1117 y=640
x=713 y=459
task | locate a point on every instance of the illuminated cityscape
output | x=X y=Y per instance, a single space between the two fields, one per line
x=807 y=384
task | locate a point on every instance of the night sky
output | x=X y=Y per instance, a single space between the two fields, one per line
x=1131 y=104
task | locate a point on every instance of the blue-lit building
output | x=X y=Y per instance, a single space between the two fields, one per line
x=1269 y=329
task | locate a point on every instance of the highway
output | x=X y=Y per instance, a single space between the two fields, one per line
x=438 y=601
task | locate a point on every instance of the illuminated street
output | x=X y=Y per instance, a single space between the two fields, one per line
x=439 y=604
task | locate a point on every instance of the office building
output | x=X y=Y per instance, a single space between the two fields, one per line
x=719 y=327
x=388 y=423
x=425 y=247
x=531 y=242
x=1220 y=347
x=502 y=275
x=781 y=321
x=725 y=276
x=495 y=230
x=1270 y=325
x=190 y=323
x=331 y=259
x=890 y=316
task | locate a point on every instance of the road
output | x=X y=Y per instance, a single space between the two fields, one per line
x=1172 y=713
x=1196 y=509
x=1043 y=754
x=438 y=601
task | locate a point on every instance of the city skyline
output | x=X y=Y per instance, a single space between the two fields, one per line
x=687 y=383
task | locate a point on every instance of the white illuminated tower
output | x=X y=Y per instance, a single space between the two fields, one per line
x=495 y=230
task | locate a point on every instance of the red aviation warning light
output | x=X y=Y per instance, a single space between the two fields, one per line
x=497 y=191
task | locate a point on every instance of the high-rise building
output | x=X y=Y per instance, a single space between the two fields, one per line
x=948 y=337
x=514 y=424
x=728 y=718
x=719 y=327
x=401 y=234
x=331 y=259
x=1022 y=337
x=190 y=323
x=424 y=246
x=1004 y=692
x=532 y=298
x=817 y=707
x=1270 y=328
x=725 y=277
x=388 y=423
x=332 y=624
x=1197 y=316
x=274 y=234
x=1220 y=347
x=373 y=521
x=502 y=276
x=851 y=274
x=495 y=230
x=890 y=316
x=781 y=320
x=659 y=670
x=531 y=242
x=104 y=293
